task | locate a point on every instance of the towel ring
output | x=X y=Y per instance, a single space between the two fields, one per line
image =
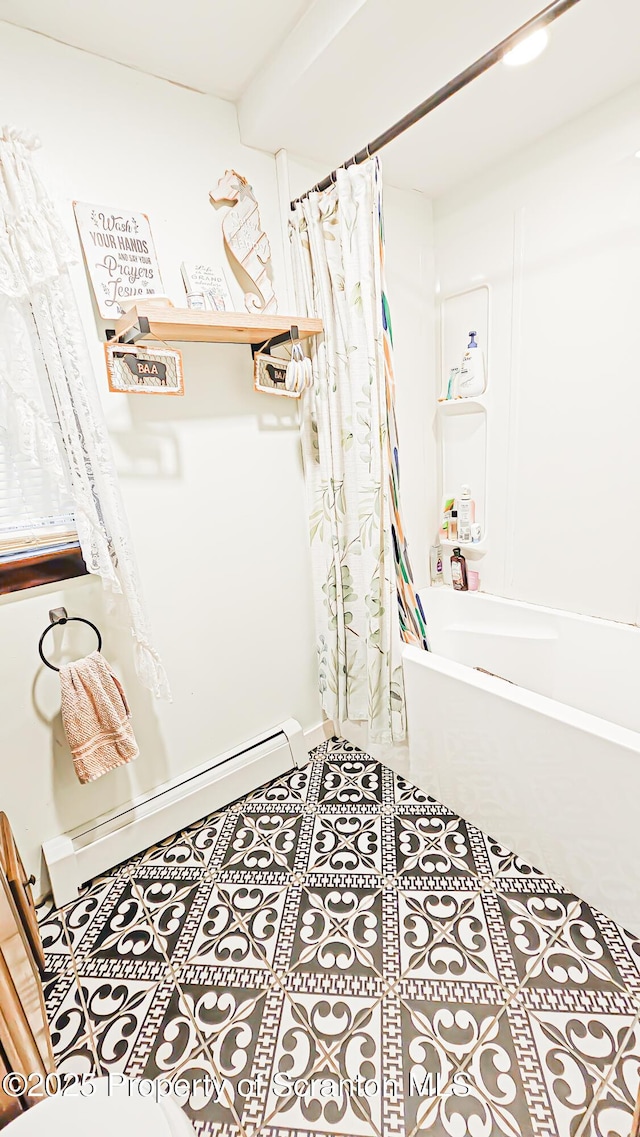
x=55 y=624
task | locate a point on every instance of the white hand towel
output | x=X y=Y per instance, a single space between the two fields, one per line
x=96 y=717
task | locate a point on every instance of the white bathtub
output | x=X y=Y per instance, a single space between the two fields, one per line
x=549 y=763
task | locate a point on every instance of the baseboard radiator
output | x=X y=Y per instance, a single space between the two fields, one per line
x=78 y=856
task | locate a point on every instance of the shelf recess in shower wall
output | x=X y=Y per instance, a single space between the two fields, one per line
x=469 y=548
x=462 y=424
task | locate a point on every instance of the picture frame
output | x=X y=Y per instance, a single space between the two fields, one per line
x=144 y=370
x=209 y=281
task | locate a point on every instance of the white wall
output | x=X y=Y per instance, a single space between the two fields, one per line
x=212 y=482
x=555 y=231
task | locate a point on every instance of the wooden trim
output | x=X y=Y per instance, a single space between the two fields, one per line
x=16 y=1033
x=10 y=1107
x=43 y=568
x=20 y=885
x=24 y=1031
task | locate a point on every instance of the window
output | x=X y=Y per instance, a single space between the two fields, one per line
x=34 y=515
x=38 y=538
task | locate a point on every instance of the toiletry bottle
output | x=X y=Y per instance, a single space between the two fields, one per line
x=453 y=525
x=471 y=380
x=476 y=531
x=449 y=503
x=464 y=532
x=466 y=507
x=435 y=562
x=458 y=571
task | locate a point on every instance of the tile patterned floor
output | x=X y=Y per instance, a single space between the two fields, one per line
x=340 y=954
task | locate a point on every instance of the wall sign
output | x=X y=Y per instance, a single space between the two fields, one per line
x=269 y=376
x=143 y=370
x=120 y=255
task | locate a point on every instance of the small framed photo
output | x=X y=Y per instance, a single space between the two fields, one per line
x=142 y=370
x=269 y=374
x=209 y=282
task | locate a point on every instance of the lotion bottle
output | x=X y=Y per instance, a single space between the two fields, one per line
x=471 y=378
x=466 y=508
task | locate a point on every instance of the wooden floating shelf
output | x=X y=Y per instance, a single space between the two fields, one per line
x=185 y=325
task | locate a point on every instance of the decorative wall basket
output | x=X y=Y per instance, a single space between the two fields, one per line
x=269 y=375
x=142 y=370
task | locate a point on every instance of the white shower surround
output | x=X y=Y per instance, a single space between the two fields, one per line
x=549 y=763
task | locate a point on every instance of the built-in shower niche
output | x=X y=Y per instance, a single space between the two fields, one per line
x=464 y=454
x=463 y=422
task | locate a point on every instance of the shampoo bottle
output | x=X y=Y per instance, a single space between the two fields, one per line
x=459 y=571
x=435 y=562
x=471 y=380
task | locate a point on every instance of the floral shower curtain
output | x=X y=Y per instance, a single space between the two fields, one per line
x=42 y=345
x=365 y=598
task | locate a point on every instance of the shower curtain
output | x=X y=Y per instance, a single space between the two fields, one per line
x=44 y=356
x=365 y=600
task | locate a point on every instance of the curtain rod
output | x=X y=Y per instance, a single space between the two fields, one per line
x=543 y=18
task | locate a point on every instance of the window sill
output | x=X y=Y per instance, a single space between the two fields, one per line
x=44 y=568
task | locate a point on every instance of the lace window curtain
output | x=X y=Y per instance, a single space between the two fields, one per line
x=364 y=596
x=42 y=342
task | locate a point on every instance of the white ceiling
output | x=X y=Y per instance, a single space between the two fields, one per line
x=322 y=78
x=211 y=45
x=391 y=56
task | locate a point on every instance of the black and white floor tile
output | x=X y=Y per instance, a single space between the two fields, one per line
x=338 y=953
